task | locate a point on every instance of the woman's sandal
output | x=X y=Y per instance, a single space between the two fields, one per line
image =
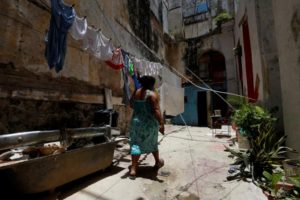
x=160 y=164
x=132 y=174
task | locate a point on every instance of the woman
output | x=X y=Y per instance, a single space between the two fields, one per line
x=145 y=124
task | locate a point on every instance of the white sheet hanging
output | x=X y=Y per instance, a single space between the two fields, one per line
x=91 y=40
x=79 y=28
x=170 y=78
x=105 y=50
x=171 y=99
x=146 y=68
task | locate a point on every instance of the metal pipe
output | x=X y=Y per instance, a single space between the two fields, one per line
x=13 y=140
x=87 y=132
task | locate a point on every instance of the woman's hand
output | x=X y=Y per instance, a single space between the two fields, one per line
x=162 y=129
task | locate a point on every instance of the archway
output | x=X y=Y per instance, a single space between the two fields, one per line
x=212 y=69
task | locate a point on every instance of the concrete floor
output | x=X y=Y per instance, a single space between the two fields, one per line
x=196 y=167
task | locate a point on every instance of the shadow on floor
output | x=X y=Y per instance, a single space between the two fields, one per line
x=146 y=172
x=68 y=189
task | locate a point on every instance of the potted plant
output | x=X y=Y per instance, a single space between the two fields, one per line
x=291 y=168
x=266 y=151
x=250 y=119
x=275 y=188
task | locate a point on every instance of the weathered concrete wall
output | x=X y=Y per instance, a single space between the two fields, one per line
x=259 y=15
x=25 y=74
x=287 y=29
x=269 y=58
x=21 y=114
x=175 y=22
x=197 y=29
x=224 y=43
x=174 y=55
x=247 y=10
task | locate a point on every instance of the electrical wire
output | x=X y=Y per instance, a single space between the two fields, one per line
x=107 y=22
x=178 y=73
x=203 y=88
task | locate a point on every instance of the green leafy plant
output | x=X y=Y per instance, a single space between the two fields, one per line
x=236 y=101
x=267 y=150
x=295 y=194
x=279 y=191
x=222 y=17
x=251 y=118
x=271 y=181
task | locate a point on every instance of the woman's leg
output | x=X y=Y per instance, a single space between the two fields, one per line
x=156 y=157
x=158 y=162
x=134 y=165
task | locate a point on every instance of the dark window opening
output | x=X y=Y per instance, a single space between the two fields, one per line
x=212 y=67
x=139 y=19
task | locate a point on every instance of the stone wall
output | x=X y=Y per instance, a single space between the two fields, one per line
x=287 y=30
x=25 y=115
x=266 y=73
x=26 y=78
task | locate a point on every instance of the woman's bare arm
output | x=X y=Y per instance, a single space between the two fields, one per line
x=156 y=110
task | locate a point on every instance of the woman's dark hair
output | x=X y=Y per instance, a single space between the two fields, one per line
x=147 y=82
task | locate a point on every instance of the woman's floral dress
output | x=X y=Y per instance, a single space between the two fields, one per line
x=143 y=128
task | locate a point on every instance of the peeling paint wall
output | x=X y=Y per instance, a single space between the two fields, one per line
x=287 y=29
x=222 y=42
x=260 y=18
x=247 y=10
x=25 y=75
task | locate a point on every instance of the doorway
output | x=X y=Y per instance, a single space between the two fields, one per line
x=219 y=104
x=202 y=109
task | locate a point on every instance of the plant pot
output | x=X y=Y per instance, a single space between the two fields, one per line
x=234 y=127
x=285 y=186
x=291 y=168
x=243 y=141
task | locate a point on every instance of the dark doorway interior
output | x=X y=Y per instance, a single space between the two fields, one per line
x=212 y=67
x=202 y=109
x=219 y=104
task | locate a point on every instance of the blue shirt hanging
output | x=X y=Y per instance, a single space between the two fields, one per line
x=62 y=18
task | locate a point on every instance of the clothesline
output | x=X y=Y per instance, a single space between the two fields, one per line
x=95 y=41
x=102 y=48
x=143 y=66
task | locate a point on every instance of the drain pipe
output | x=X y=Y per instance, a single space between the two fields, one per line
x=14 y=140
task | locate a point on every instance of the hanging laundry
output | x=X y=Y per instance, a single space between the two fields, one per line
x=79 y=28
x=117 y=60
x=62 y=18
x=130 y=67
x=125 y=73
x=128 y=64
x=126 y=90
x=147 y=68
x=106 y=48
x=91 y=40
x=137 y=84
x=170 y=78
x=168 y=104
x=138 y=64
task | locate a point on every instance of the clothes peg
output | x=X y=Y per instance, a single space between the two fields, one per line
x=73 y=5
x=84 y=17
x=99 y=29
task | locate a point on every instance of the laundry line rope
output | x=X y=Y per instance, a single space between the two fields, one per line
x=206 y=88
